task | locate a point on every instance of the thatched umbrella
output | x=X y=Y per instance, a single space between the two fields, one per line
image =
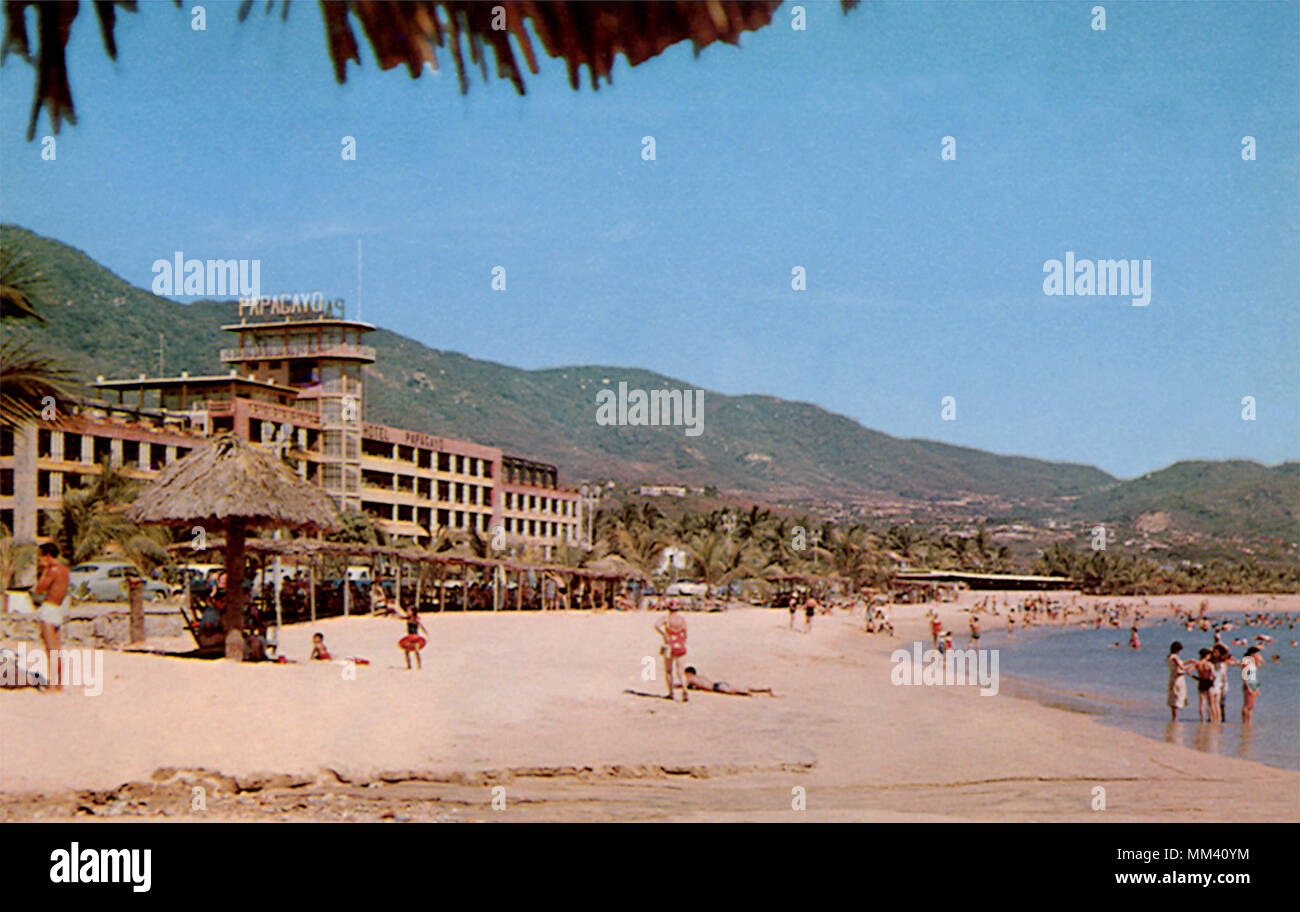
x=615 y=565
x=590 y=33
x=230 y=484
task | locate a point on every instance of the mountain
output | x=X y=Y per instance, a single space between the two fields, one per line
x=1235 y=498
x=762 y=447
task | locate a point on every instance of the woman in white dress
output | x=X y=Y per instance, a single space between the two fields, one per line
x=1177 y=680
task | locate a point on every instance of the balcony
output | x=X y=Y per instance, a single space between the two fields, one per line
x=298 y=350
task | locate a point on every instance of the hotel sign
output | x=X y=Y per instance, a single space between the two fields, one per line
x=312 y=306
x=402 y=437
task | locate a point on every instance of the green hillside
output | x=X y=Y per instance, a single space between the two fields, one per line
x=1230 y=498
x=768 y=448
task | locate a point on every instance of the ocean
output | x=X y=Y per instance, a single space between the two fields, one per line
x=1078 y=670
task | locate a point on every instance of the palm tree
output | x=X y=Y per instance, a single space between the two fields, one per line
x=94 y=517
x=14 y=557
x=718 y=559
x=639 y=545
x=358 y=526
x=586 y=35
x=30 y=380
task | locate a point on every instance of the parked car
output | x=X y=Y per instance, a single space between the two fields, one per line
x=687 y=587
x=105 y=581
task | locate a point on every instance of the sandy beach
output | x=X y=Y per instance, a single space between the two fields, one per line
x=530 y=710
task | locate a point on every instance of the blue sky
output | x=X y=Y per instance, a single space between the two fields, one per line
x=818 y=149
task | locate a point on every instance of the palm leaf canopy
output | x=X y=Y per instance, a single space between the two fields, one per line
x=231 y=479
x=589 y=33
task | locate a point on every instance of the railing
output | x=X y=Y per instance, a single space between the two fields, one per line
x=298 y=350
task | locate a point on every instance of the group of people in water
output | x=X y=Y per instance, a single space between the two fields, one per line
x=1210 y=671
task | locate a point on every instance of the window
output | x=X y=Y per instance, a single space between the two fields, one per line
x=71 y=447
x=43 y=444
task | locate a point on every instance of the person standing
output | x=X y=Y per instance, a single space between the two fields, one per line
x=51 y=593
x=1220 y=659
x=412 y=643
x=1249 y=684
x=1177 y=680
x=673 y=631
x=974 y=632
x=1203 y=671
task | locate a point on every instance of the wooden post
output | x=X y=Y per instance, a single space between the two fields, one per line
x=311 y=579
x=397 y=587
x=419 y=580
x=568 y=593
x=496 y=589
x=442 y=579
x=278 y=615
x=233 y=616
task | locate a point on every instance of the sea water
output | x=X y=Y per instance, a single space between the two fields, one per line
x=1081 y=670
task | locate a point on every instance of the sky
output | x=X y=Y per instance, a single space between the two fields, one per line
x=819 y=149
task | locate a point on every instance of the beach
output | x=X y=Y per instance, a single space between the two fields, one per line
x=529 y=711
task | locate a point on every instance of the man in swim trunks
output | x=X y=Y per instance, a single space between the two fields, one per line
x=809 y=609
x=51 y=593
x=696 y=681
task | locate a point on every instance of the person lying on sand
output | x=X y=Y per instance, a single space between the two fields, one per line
x=696 y=681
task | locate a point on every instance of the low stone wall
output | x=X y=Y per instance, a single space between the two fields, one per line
x=97 y=624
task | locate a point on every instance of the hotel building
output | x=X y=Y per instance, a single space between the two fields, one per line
x=294 y=385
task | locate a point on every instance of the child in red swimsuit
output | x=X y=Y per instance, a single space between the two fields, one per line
x=318 y=650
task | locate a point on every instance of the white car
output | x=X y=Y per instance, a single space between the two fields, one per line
x=692 y=588
x=105 y=581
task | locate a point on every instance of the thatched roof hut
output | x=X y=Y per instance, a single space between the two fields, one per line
x=590 y=33
x=232 y=479
x=615 y=566
x=232 y=485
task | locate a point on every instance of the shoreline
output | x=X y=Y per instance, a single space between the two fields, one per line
x=493 y=706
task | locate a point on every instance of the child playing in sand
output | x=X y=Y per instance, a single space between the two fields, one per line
x=412 y=643
x=318 y=651
x=673 y=631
